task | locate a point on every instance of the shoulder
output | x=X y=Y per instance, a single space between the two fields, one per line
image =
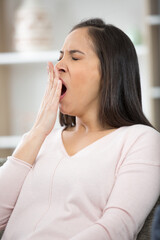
x=142 y=142
x=140 y=131
x=138 y=135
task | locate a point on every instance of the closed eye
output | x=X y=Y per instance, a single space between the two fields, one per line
x=75 y=59
x=71 y=52
x=59 y=59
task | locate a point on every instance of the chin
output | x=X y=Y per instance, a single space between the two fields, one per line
x=70 y=108
x=63 y=110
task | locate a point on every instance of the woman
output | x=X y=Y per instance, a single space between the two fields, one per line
x=97 y=177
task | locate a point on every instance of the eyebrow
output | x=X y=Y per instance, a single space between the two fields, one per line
x=73 y=51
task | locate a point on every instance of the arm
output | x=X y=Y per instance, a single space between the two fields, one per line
x=15 y=170
x=33 y=140
x=136 y=190
x=12 y=176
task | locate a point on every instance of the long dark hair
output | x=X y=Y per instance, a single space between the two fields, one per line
x=120 y=101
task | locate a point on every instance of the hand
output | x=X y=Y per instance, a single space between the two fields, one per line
x=48 y=110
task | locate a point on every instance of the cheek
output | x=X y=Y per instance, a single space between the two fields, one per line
x=85 y=79
x=79 y=82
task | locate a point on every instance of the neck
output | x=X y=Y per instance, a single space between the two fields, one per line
x=86 y=126
x=89 y=124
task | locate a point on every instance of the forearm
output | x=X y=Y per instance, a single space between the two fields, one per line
x=12 y=176
x=28 y=149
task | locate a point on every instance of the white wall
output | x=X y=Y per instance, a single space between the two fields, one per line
x=126 y=14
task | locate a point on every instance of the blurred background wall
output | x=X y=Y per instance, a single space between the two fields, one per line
x=22 y=85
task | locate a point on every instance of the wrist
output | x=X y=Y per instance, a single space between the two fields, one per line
x=36 y=132
x=30 y=145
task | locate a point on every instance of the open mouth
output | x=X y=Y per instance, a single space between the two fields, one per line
x=64 y=89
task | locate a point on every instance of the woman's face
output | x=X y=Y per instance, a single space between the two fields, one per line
x=79 y=69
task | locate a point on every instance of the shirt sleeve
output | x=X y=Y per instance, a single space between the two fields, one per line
x=12 y=176
x=135 y=192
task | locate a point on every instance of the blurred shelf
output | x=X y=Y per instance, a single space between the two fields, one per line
x=9 y=58
x=153 y=20
x=7 y=142
x=28 y=57
x=155 y=92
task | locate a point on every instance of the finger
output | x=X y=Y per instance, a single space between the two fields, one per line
x=57 y=75
x=51 y=65
x=51 y=73
x=51 y=76
x=52 y=86
x=45 y=99
x=52 y=92
x=53 y=99
x=57 y=94
x=56 y=78
x=50 y=69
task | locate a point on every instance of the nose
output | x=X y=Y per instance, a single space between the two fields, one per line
x=61 y=66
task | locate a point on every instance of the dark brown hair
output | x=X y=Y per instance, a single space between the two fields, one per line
x=120 y=91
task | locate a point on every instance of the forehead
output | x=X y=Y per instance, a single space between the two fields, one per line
x=78 y=39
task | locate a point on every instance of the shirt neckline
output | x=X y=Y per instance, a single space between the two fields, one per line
x=96 y=142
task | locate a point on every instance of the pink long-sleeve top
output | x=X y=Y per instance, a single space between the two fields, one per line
x=103 y=192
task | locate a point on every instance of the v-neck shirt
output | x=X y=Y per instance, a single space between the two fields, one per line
x=104 y=191
x=95 y=143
